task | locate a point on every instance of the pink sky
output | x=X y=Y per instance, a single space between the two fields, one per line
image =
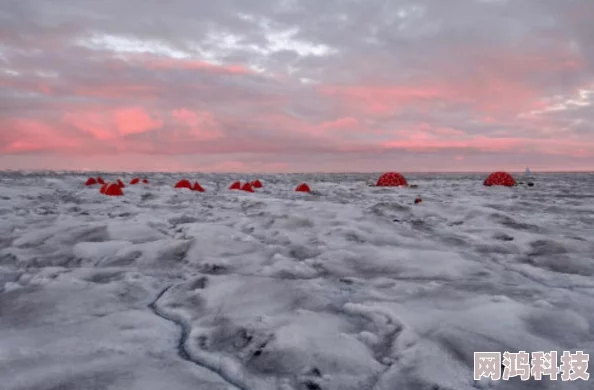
x=297 y=86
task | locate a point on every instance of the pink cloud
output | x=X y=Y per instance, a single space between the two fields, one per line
x=199 y=125
x=494 y=82
x=381 y=99
x=345 y=123
x=134 y=120
x=426 y=143
x=160 y=63
x=143 y=92
x=95 y=123
x=108 y=124
x=497 y=145
x=28 y=135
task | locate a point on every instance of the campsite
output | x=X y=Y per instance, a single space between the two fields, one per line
x=347 y=286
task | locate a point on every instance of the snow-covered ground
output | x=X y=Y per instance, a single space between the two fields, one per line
x=350 y=287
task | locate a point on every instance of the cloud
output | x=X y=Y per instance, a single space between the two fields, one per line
x=297 y=85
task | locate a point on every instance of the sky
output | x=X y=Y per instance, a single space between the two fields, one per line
x=297 y=85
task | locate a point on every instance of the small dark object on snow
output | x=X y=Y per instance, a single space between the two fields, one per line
x=504 y=237
x=418 y=200
x=414 y=186
x=530 y=184
x=311 y=385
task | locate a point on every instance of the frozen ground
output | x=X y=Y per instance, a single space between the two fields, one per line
x=351 y=287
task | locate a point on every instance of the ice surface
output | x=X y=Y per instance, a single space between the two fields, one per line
x=349 y=287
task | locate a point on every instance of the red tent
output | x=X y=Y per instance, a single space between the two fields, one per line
x=303 y=188
x=113 y=189
x=257 y=184
x=184 y=184
x=197 y=187
x=391 y=179
x=103 y=188
x=91 y=181
x=145 y=181
x=500 y=179
x=100 y=180
x=135 y=181
x=247 y=187
x=121 y=183
x=235 y=186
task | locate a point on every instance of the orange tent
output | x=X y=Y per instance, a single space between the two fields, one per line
x=391 y=179
x=303 y=188
x=184 y=184
x=500 y=179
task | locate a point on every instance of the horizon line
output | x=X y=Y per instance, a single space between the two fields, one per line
x=88 y=171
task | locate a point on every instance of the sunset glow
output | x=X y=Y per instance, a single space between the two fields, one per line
x=269 y=86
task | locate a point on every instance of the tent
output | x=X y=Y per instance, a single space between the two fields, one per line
x=113 y=189
x=103 y=188
x=235 y=186
x=391 y=179
x=197 y=187
x=135 y=181
x=247 y=187
x=100 y=180
x=303 y=188
x=145 y=181
x=257 y=184
x=91 y=181
x=183 y=184
x=500 y=179
x=121 y=183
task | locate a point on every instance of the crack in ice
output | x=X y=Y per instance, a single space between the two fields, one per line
x=181 y=345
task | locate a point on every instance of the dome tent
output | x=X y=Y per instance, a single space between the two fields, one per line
x=134 y=181
x=235 y=186
x=247 y=187
x=91 y=181
x=500 y=178
x=257 y=184
x=391 y=179
x=112 y=189
x=303 y=188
